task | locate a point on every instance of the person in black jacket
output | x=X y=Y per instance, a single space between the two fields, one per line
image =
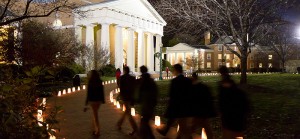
x=234 y=106
x=95 y=97
x=179 y=101
x=202 y=106
x=76 y=81
x=147 y=98
x=127 y=83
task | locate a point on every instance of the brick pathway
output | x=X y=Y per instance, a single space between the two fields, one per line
x=76 y=124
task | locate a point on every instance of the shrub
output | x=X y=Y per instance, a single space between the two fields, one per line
x=298 y=69
x=77 y=69
x=18 y=106
x=108 y=70
x=65 y=74
x=166 y=64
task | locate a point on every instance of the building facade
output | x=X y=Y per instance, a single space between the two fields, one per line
x=130 y=30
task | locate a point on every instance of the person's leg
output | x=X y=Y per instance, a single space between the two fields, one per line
x=145 y=128
x=95 y=107
x=130 y=118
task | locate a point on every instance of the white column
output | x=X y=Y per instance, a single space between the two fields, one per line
x=141 y=49
x=184 y=60
x=90 y=35
x=105 y=36
x=150 y=52
x=176 y=60
x=157 y=49
x=78 y=33
x=118 y=47
x=131 y=50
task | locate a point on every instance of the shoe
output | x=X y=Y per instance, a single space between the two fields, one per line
x=96 y=134
x=161 y=131
x=132 y=133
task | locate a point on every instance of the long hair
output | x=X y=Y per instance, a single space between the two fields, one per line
x=94 y=78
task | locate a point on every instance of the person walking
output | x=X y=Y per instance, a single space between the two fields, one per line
x=127 y=96
x=118 y=75
x=202 y=107
x=234 y=106
x=76 y=80
x=178 y=107
x=147 y=98
x=95 y=97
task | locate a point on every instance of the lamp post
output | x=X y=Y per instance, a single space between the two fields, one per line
x=160 y=63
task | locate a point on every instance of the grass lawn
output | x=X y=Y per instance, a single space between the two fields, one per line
x=275 y=100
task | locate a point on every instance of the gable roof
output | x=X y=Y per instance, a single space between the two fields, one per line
x=141 y=8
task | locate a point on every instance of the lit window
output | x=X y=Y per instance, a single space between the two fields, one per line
x=209 y=56
x=228 y=56
x=208 y=65
x=270 y=65
x=219 y=56
x=270 y=57
x=251 y=65
x=260 y=65
x=227 y=64
x=219 y=47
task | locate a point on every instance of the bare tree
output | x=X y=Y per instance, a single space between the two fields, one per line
x=93 y=57
x=241 y=19
x=282 y=41
x=16 y=10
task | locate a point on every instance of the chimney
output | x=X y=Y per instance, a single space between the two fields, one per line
x=207 y=38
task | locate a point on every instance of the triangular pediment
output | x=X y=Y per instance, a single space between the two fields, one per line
x=181 y=47
x=139 y=8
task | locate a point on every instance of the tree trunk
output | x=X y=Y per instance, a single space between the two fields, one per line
x=243 y=79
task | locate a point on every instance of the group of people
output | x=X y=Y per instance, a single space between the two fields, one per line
x=190 y=104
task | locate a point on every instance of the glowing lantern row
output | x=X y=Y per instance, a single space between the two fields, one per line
x=203 y=134
x=157 y=121
x=64 y=91
x=78 y=88
x=73 y=89
x=44 y=102
x=69 y=90
x=124 y=108
x=40 y=117
x=83 y=87
x=118 y=105
x=115 y=102
x=132 y=111
x=59 y=93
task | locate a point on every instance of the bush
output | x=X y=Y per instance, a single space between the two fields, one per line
x=65 y=74
x=77 y=69
x=108 y=70
x=18 y=106
x=298 y=69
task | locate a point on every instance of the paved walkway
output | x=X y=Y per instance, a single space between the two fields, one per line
x=76 y=124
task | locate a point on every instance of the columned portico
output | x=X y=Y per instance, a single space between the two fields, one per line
x=118 y=47
x=105 y=36
x=125 y=29
x=131 y=50
x=150 y=52
x=141 y=49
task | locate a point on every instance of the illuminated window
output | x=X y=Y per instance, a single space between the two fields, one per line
x=270 y=65
x=208 y=56
x=228 y=56
x=208 y=65
x=270 y=57
x=227 y=64
x=219 y=56
x=260 y=65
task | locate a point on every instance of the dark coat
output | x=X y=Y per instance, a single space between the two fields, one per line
x=95 y=92
x=202 y=105
x=147 y=96
x=127 y=84
x=234 y=105
x=179 y=97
